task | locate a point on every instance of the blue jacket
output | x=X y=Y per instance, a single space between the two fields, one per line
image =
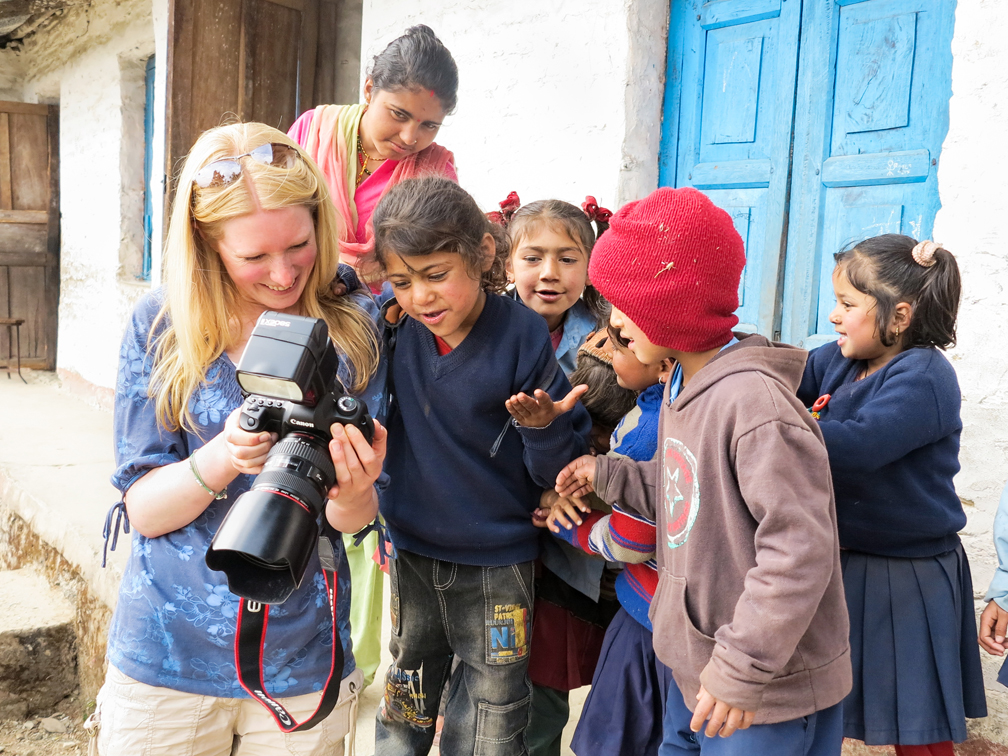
x=449 y=497
x=893 y=443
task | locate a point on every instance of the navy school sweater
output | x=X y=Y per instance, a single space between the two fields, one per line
x=448 y=498
x=893 y=443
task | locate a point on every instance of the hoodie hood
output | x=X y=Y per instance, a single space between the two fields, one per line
x=782 y=363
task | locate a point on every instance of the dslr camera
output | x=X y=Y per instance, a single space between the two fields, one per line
x=288 y=371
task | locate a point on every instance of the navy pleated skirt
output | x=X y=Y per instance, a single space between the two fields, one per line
x=623 y=713
x=914 y=649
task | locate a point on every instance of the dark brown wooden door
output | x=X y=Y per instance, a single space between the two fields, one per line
x=253 y=60
x=29 y=229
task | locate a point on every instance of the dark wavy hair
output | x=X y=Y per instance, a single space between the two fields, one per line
x=417 y=60
x=606 y=401
x=528 y=219
x=421 y=216
x=883 y=267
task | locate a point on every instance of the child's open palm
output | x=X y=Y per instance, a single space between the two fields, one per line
x=539 y=410
x=578 y=478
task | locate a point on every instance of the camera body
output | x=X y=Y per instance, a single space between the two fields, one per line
x=288 y=370
x=261 y=413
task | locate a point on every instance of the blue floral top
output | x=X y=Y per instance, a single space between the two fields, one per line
x=174 y=624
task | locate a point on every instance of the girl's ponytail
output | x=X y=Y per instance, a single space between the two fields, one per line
x=937 y=305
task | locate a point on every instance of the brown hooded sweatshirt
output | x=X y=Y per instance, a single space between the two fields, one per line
x=750 y=599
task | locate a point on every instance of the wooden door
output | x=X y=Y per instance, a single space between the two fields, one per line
x=29 y=229
x=253 y=60
x=727 y=128
x=873 y=92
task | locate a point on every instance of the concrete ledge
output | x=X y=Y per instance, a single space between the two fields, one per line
x=56 y=456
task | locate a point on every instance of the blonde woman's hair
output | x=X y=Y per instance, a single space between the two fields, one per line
x=199 y=318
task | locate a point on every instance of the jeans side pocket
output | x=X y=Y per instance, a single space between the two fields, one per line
x=500 y=730
x=394 y=596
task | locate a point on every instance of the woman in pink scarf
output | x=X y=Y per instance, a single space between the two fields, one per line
x=364 y=149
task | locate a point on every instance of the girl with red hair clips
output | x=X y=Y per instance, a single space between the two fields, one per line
x=551 y=244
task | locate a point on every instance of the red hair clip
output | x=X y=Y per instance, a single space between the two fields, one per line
x=507 y=209
x=594 y=212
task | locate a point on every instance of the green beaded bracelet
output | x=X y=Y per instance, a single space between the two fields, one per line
x=204 y=486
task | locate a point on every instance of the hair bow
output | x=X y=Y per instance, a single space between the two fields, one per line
x=594 y=212
x=507 y=209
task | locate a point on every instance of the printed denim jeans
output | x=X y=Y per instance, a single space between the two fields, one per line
x=483 y=616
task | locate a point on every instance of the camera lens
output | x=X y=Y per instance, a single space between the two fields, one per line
x=266 y=541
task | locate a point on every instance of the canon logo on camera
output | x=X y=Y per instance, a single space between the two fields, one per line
x=274 y=322
x=302 y=423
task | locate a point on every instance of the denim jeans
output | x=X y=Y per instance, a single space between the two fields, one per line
x=482 y=616
x=818 y=734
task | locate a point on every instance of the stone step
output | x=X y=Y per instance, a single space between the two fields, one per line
x=38 y=647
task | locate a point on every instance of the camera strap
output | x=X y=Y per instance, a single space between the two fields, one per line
x=250 y=640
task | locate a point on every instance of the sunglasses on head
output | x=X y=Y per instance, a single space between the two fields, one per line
x=227 y=170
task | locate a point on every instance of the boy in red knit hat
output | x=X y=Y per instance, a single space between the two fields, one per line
x=749 y=613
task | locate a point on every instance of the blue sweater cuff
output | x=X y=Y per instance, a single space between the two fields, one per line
x=554 y=435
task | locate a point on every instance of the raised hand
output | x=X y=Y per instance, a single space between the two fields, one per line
x=539 y=410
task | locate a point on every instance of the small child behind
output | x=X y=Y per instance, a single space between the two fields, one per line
x=551 y=246
x=623 y=713
x=749 y=611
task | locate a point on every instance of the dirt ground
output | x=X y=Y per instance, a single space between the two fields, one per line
x=30 y=737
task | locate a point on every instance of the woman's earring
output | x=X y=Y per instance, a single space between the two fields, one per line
x=897 y=332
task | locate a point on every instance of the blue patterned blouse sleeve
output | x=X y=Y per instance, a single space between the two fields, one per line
x=141 y=443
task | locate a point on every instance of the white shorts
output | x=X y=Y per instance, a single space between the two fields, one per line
x=135 y=719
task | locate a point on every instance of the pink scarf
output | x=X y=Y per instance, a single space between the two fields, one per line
x=332 y=144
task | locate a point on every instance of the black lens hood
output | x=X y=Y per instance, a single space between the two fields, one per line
x=264 y=545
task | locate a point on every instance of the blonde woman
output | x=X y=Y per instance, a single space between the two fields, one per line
x=252 y=229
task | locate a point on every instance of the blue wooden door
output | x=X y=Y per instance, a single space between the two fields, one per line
x=728 y=115
x=873 y=89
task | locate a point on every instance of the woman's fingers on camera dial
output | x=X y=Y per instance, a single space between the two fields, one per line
x=358 y=463
x=248 y=450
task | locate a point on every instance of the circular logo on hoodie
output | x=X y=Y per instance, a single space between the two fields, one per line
x=682 y=491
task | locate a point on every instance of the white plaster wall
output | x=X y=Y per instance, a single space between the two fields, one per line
x=101 y=184
x=971 y=223
x=555 y=99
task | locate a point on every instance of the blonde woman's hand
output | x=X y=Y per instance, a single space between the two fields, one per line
x=247 y=451
x=353 y=502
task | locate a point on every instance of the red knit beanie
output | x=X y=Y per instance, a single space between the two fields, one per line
x=672 y=262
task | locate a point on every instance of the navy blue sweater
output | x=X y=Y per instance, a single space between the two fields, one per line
x=893 y=443
x=447 y=497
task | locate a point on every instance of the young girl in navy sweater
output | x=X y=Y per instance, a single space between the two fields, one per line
x=887 y=402
x=464 y=478
x=551 y=244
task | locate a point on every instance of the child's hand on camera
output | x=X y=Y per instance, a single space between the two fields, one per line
x=577 y=479
x=993 y=628
x=540 y=410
